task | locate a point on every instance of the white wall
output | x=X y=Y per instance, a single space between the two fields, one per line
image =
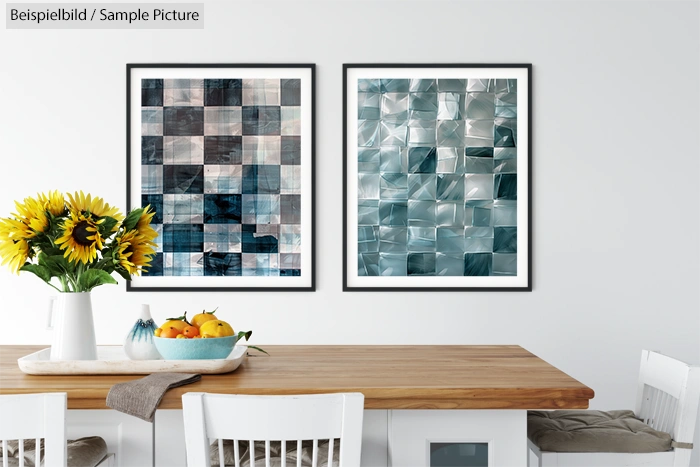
x=615 y=144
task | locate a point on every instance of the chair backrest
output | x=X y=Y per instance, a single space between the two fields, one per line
x=270 y=419
x=667 y=396
x=33 y=417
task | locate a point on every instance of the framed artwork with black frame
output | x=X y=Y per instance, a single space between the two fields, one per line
x=224 y=153
x=437 y=177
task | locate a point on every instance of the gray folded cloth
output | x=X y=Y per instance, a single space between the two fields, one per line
x=141 y=397
x=83 y=452
x=276 y=454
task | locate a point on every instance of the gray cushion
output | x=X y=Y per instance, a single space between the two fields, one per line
x=593 y=431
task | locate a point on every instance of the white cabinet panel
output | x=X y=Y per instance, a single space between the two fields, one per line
x=170 y=439
x=411 y=433
x=375 y=446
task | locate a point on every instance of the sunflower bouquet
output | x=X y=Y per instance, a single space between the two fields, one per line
x=78 y=240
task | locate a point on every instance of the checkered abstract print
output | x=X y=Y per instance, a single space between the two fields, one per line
x=437 y=177
x=221 y=165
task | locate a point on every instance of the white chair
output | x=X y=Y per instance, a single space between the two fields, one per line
x=37 y=417
x=273 y=419
x=668 y=394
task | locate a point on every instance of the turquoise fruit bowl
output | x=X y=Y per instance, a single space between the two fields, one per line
x=195 y=349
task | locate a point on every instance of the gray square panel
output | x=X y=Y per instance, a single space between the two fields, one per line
x=368 y=212
x=423 y=105
x=450 y=239
x=368 y=264
x=450 y=187
x=367 y=238
x=450 y=133
x=480 y=105
x=395 y=106
x=393 y=159
x=368 y=105
x=479 y=133
x=393 y=213
x=449 y=264
x=368 y=133
x=423 y=85
x=422 y=186
x=393 y=133
x=368 y=160
x=450 y=161
x=421 y=133
x=450 y=214
x=421 y=239
x=393 y=186
x=421 y=213
x=393 y=239
x=393 y=264
x=450 y=106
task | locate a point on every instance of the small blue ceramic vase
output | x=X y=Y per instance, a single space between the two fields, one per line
x=139 y=344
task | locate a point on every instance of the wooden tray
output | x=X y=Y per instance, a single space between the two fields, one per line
x=111 y=360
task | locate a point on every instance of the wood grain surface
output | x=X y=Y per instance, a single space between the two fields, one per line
x=390 y=377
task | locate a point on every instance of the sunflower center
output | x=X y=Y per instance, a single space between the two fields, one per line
x=81 y=234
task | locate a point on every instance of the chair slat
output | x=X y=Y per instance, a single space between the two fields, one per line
x=665 y=412
x=236 y=453
x=283 y=449
x=21 y=454
x=314 y=455
x=652 y=409
x=672 y=418
x=658 y=413
x=267 y=453
x=222 y=463
x=5 y=453
x=251 y=451
x=330 y=452
x=644 y=409
x=298 y=453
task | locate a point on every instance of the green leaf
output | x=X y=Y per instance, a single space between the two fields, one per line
x=122 y=272
x=245 y=334
x=180 y=318
x=132 y=219
x=57 y=265
x=51 y=251
x=42 y=272
x=94 y=277
x=107 y=226
x=258 y=349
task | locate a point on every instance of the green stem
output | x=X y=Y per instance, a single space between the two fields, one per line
x=64 y=283
x=54 y=286
x=79 y=273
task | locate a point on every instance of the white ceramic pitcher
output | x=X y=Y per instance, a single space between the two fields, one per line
x=73 y=327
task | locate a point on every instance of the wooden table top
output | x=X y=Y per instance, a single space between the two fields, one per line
x=390 y=377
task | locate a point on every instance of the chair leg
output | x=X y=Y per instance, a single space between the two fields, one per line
x=533 y=450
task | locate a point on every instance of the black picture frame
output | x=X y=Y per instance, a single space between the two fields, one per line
x=308 y=138
x=348 y=286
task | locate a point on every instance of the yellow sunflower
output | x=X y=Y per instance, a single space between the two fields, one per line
x=134 y=252
x=53 y=202
x=93 y=206
x=144 y=224
x=32 y=214
x=81 y=238
x=14 y=249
